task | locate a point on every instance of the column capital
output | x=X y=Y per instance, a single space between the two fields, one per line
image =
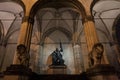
x=88 y=18
x=28 y=19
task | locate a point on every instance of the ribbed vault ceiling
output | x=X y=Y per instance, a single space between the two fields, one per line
x=105 y=13
x=65 y=20
x=11 y=14
x=57 y=19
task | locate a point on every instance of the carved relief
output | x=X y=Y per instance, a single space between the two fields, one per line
x=95 y=56
x=23 y=56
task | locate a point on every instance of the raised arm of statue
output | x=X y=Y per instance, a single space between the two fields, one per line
x=61 y=49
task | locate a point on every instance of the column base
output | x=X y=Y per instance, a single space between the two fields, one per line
x=102 y=72
x=17 y=72
x=57 y=69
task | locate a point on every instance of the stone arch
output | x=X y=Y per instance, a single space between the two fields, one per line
x=115 y=30
x=12 y=10
x=19 y=10
x=76 y=5
x=97 y=1
x=93 y=4
x=101 y=12
x=19 y=2
x=51 y=30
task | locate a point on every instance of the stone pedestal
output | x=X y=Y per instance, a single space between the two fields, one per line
x=102 y=72
x=17 y=72
x=57 y=69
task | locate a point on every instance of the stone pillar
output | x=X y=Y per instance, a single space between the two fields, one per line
x=26 y=29
x=20 y=68
x=91 y=36
x=77 y=59
x=24 y=37
x=90 y=32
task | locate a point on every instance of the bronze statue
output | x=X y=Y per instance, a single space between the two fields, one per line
x=96 y=54
x=57 y=58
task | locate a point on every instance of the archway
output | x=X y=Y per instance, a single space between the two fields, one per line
x=116 y=30
x=104 y=21
x=11 y=13
x=61 y=20
x=116 y=37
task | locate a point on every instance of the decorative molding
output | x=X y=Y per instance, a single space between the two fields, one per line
x=75 y=4
x=87 y=18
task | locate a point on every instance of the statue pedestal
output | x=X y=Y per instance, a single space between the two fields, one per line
x=57 y=69
x=17 y=72
x=102 y=72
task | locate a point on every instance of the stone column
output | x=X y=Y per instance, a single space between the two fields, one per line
x=96 y=71
x=77 y=59
x=24 y=37
x=90 y=32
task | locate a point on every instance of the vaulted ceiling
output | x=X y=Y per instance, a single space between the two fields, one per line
x=106 y=14
x=64 y=20
x=11 y=14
